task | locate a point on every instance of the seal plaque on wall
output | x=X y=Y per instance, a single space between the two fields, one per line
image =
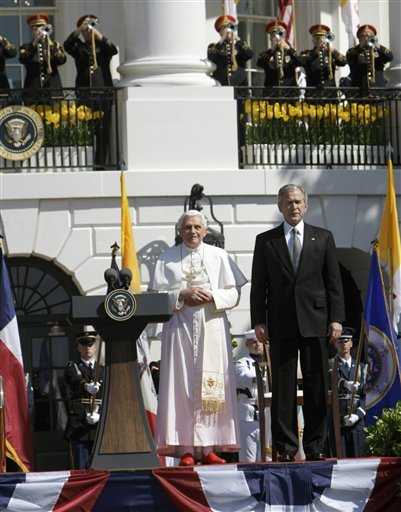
x=21 y=132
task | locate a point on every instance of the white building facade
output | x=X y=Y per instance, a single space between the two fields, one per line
x=178 y=128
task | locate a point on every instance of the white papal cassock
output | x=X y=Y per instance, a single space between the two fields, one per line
x=196 y=350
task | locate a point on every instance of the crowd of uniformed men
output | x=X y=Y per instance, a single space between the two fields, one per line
x=281 y=61
x=92 y=53
x=42 y=56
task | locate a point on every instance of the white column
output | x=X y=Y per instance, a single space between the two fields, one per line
x=394 y=73
x=165 y=43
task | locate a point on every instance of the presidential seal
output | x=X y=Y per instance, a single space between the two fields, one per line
x=21 y=132
x=120 y=305
x=382 y=370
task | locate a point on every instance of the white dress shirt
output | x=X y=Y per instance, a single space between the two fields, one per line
x=288 y=234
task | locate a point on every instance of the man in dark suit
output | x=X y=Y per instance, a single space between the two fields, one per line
x=296 y=302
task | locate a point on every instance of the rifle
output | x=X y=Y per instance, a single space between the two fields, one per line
x=266 y=364
x=335 y=408
x=351 y=405
x=261 y=406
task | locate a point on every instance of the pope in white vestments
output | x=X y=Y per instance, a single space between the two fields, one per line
x=197 y=412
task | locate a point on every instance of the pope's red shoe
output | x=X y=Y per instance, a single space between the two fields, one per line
x=187 y=460
x=212 y=458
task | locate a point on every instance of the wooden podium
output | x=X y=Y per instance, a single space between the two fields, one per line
x=123 y=439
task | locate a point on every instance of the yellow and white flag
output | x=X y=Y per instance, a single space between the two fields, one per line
x=350 y=17
x=389 y=247
x=128 y=250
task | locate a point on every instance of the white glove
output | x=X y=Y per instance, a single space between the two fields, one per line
x=92 y=387
x=351 y=385
x=350 y=420
x=92 y=418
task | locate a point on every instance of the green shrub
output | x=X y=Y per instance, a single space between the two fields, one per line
x=384 y=437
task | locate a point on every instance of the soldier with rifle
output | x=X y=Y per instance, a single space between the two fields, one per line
x=246 y=373
x=83 y=383
x=351 y=379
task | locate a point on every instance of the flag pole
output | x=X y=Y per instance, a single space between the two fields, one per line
x=357 y=364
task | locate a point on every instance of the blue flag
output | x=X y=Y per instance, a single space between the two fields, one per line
x=384 y=349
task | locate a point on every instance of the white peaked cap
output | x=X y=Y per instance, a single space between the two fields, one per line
x=250 y=335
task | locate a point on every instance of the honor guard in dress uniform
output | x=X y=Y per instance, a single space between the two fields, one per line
x=320 y=63
x=92 y=52
x=351 y=396
x=42 y=56
x=367 y=59
x=280 y=61
x=83 y=382
x=230 y=54
x=248 y=412
x=7 y=51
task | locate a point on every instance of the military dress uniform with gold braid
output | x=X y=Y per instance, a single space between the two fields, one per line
x=41 y=60
x=7 y=51
x=93 y=71
x=362 y=73
x=321 y=62
x=221 y=54
x=78 y=431
x=316 y=63
x=272 y=61
x=89 y=75
x=352 y=436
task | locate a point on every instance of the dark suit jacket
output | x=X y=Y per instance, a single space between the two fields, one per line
x=307 y=300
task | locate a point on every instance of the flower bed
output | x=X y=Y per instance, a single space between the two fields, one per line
x=314 y=124
x=68 y=124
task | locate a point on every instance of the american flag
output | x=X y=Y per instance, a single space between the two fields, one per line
x=349 y=485
x=286 y=9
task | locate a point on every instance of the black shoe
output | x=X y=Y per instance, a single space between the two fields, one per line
x=315 y=456
x=285 y=457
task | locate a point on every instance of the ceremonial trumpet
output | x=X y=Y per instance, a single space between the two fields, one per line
x=46 y=30
x=279 y=34
x=329 y=37
x=91 y=24
x=372 y=41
